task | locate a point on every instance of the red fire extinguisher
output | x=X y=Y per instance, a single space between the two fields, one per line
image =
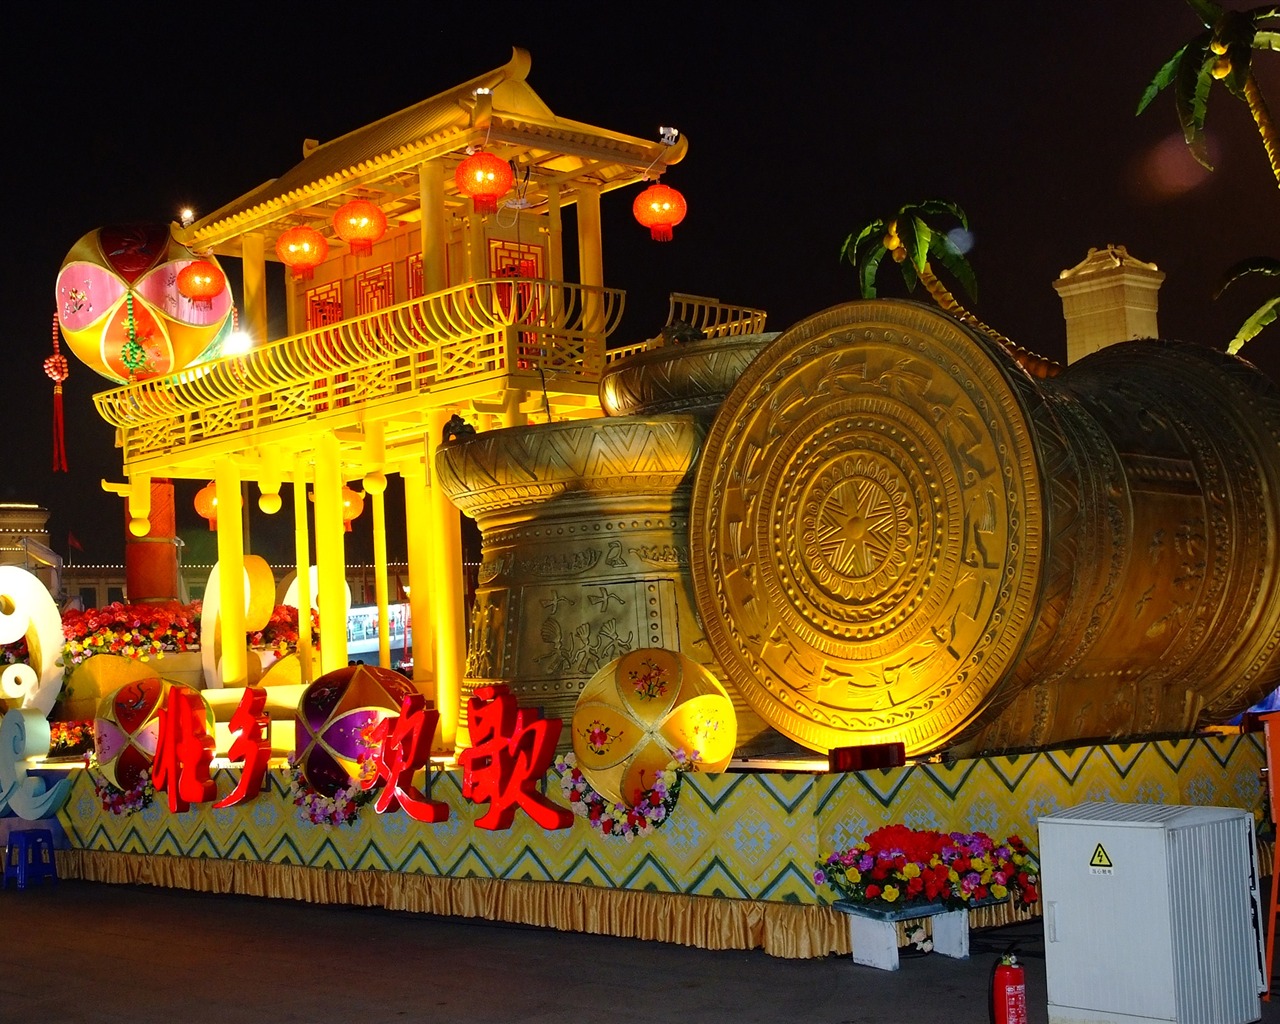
x=1008 y=992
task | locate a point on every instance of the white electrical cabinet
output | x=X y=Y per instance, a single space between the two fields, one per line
x=1151 y=913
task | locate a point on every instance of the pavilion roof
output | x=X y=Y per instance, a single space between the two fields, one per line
x=380 y=160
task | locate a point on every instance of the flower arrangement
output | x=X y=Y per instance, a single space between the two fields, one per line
x=651 y=809
x=899 y=866
x=15 y=652
x=139 y=631
x=281 y=631
x=117 y=800
x=68 y=739
x=343 y=807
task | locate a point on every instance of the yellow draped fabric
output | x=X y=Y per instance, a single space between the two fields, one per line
x=781 y=929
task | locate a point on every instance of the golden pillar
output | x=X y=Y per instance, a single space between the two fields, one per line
x=302 y=555
x=435 y=230
x=253 y=262
x=444 y=529
x=590 y=257
x=331 y=562
x=235 y=667
x=418 y=545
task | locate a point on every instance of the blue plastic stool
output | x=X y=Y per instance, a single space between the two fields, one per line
x=29 y=857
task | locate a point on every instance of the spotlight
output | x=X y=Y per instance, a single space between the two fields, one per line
x=668 y=135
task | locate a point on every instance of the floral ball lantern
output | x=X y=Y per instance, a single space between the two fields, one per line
x=201 y=282
x=122 y=309
x=302 y=249
x=206 y=503
x=335 y=713
x=127 y=727
x=639 y=711
x=352 y=506
x=360 y=223
x=485 y=178
x=659 y=208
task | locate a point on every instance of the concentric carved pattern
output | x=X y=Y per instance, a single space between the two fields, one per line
x=866 y=528
x=692 y=377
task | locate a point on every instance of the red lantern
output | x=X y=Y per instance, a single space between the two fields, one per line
x=485 y=178
x=659 y=208
x=360 y=223
x=201 y=282
x=352 y=506
x=207 y=503
x=302 y=249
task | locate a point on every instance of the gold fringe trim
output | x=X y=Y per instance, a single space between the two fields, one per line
x=790 y=930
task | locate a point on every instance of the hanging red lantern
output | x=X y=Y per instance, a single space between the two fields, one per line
x=659 y=208
x=352 y=506
x=360 y=223
x=302 y=249
x=485 y=178
x=207 y=503
x=201 y=282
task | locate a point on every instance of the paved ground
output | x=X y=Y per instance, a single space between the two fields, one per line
x=88 y=952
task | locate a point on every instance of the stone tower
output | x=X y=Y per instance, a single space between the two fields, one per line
x=1108 y=297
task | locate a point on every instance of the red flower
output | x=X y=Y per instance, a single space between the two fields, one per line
x=873 y=891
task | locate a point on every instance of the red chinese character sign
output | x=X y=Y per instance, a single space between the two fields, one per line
x=511 y=752
x=638 y=712
x=251 y=727
x=184 y=749
x=402 y=747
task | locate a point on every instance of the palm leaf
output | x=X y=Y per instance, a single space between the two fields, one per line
x=1265 y=314
x=1191 y=94
x=868 y=272
x=955 y=263
x=1267 y=40
x=909 y=275
x=1208 y=11
x=853 y=245
x=934 y=207
x=923 y=235
x=1163 y=77
x=1265 y=265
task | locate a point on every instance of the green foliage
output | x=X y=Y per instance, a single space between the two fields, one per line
x=1266 y=313
x=1223 y=52
x=918 y=242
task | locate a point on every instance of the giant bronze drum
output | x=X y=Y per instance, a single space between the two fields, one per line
x=896 y=534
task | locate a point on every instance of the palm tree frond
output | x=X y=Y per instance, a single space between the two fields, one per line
x=1191 y=94
x=1265 y=265
x=867 y=277
x=923 y=236
x=1267 y=41
x=1208 y=11
x=1265 y=314
x=933 y=207
x=909 y=275
x=1163 y=77
x=852 y=250
x=955 y=263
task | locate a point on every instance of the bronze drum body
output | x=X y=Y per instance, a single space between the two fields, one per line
x=898 y=534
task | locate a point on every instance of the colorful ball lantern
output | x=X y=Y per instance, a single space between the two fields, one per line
x=335 y=716
x=127 y=727
x=121 y=310
x=659 y=208
x=637 y=712
x=360 y=223
x=201 y=282
x=206 y=503
x=302 y=249
x=352 y=506
x=485 y=178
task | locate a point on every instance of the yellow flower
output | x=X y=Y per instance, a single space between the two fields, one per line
x=854 y=875
x=999 y=891
x=911 y=870
x=890 y=893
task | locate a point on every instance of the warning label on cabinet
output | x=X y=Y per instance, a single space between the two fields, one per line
x=1100 y=863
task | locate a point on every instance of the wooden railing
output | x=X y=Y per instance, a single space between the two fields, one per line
x=482 y=328
x=712 y=317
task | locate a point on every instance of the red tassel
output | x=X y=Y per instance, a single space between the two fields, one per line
x=57 y=369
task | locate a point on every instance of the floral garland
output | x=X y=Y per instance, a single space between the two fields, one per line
x=900 y=866
x=343 y=808
x=121 y=801
x=134 y=630
x=652 y=807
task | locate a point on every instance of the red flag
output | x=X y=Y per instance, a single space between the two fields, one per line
x=73 y=542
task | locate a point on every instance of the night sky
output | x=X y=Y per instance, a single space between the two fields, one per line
x=803 y=124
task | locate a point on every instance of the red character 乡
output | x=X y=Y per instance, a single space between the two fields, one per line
x=512 y=749
x=252 y=745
